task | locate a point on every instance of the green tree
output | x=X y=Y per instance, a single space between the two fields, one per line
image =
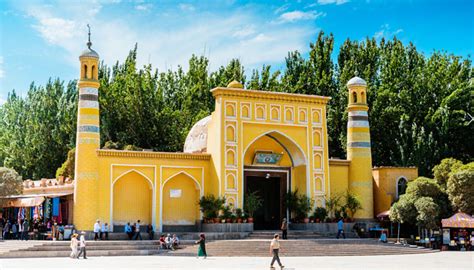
x=442 y=171
x=427 y=213
x=67 y=169
x=10 y=183
x=460 y=188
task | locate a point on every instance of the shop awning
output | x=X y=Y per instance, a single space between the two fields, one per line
x=47 y=195
x=458 y=220
x=24 y=202
x=383 y=214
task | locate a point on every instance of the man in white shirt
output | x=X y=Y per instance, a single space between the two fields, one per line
x=82 y=246
x=274 y=248
x=96 y=230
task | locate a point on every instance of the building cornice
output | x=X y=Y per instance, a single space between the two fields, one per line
x=341 y=162
x=145 y=154
x=267 y=95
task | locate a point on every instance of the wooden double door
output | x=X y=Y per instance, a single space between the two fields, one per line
x=271 y=185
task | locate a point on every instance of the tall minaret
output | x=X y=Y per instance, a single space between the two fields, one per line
x=358 y=147
x=87 y=141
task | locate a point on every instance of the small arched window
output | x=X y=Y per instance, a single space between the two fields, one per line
x=85 y=71
x=354 y=97
x=93 y=73
x=401 y=186
x=362 y=97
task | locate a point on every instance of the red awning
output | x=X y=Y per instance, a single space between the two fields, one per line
x=458 y=220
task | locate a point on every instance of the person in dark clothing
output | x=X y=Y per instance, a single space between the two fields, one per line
x=202 y=246
x=150 y=231
x=284 y=229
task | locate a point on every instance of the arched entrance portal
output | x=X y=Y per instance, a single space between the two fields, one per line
x=273 y=165
x=132 y=197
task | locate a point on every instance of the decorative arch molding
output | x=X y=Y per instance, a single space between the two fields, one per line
x=295 y=152
x=130 y=171
x=196 y=182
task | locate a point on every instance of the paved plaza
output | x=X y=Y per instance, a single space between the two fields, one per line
x=439 y=260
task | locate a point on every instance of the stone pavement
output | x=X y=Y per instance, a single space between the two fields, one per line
x=438 y=260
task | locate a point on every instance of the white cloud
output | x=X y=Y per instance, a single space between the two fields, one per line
x=281 y=9
x=144 y=7
x=330 y=2
x=2 y=101
x=2 y=71
x=297 y=15
x=386 y=32
x=186 y=7
x=243 y=34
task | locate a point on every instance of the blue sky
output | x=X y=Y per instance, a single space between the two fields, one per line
x=42 y=39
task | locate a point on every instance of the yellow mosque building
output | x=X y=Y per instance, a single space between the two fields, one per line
x=271 y=142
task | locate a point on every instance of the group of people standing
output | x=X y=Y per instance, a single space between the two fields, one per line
x=14 y=230
x=101 y=231
x=133 y=231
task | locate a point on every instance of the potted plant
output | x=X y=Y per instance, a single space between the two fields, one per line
x=320 y=214
x=304 y=207
x=291 y=200
x=352 y=204
x=332 y=205
x=226 y=214
x=210 y=206
x=252 y=203
x=238 y=215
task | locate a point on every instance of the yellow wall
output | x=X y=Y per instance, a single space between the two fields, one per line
x=385 y=185
x=339 y=171
x=183 y=210
x=159 y=168
x=132 y=199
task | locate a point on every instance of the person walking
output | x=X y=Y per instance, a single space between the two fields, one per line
x=284 y=229
x=202 y=246
x=274 y=249
x=73 y=246
x=82 y=245
x=340 y=229
x=137 y=231
x=96 y=230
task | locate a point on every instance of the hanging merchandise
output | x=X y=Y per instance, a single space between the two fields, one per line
x=47 y=208
x=55 y=207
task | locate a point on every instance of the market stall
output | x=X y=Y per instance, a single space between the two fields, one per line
x=458 y=232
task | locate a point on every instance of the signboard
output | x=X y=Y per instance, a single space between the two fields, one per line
x=446 y=237
x=266 y=158
x=175 y=193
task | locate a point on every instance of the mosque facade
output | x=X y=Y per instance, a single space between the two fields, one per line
x=255 y=141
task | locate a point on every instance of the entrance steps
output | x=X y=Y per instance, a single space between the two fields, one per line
x=304 y=248
x=293 y=234
x=94 y=248
x=182 y=235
